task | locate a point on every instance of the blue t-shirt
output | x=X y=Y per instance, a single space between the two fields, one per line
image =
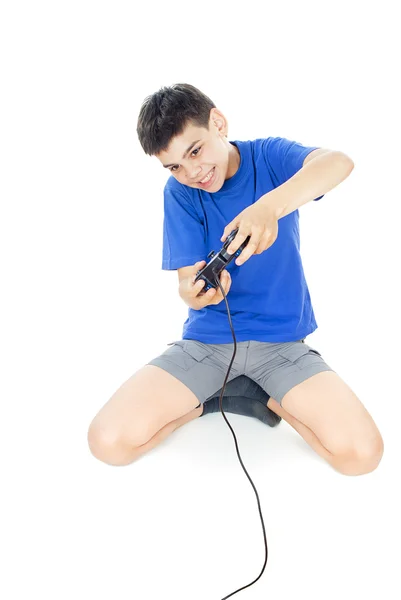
x=269 y=298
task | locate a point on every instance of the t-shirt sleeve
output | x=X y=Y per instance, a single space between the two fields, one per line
x=286 y=157
x=183 y=231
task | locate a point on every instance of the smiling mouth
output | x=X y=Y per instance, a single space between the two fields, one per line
x=208 y=176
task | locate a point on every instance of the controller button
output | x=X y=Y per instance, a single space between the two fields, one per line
x=211 y=254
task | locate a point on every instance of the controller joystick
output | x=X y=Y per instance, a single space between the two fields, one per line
x=218 y=262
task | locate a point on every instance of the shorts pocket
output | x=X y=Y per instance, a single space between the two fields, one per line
x=300 y=354
x=186 y=353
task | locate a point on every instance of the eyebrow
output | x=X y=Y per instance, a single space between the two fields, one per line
x=184 y=155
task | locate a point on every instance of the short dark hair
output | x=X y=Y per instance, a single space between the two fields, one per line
x=166 y=113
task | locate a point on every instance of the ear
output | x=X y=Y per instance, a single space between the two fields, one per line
x=218 y=121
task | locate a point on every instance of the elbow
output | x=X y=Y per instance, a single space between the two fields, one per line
x=349 y=163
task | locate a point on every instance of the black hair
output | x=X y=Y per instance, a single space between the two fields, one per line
x=167 y=112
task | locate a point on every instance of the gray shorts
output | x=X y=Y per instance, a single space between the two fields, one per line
x=275 y=367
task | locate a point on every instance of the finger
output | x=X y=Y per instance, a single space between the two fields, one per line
x=253 y=243
x=227 y=282
x=221 y=281
x=197 y=287
x=246 y=253
x=208 y=296
x=263 y=245
x=227 y=230
x=197 y=267
x=238 y=240
x=219 y=297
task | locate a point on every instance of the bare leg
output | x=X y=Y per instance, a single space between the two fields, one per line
x=333 y=421
x=133 y=454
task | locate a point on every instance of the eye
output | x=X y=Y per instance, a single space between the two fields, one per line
x=175 y=168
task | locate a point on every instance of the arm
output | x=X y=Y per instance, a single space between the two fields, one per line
x=322 y=171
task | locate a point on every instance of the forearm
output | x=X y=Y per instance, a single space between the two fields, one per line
x=316 y=178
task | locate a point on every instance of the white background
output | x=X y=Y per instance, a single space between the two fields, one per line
x=84 y=302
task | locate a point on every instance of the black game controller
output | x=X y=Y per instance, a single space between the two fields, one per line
x=218 y=262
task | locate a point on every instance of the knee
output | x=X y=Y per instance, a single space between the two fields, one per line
x=362 y=459
x=107 y=446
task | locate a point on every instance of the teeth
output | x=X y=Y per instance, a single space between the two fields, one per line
x=208 y=177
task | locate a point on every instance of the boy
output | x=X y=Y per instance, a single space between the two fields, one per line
x=217 y=186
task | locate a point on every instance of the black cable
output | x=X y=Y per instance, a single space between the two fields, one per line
x=236 y=443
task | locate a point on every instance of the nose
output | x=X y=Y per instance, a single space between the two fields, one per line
x=194 y=173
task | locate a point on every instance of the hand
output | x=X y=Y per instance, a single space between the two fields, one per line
x=258 y=221
x=193 y=295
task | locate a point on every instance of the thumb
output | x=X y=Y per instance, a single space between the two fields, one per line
x=197 y=267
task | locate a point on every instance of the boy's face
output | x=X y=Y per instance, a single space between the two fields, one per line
x=202 y=158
